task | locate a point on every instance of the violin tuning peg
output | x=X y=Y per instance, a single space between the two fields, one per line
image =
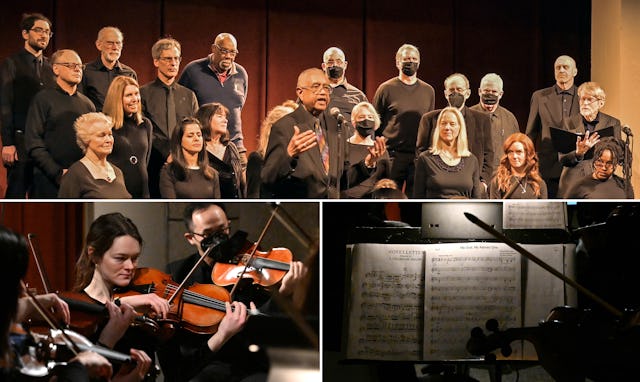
x=492 y=325
x=506 y=350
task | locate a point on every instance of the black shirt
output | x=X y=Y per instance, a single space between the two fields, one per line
x=18 y=85
x=154 y=105
x=97 y=78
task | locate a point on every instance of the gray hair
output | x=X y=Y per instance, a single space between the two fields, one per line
x=491 y=78
x=333 y=51
x=86 y=124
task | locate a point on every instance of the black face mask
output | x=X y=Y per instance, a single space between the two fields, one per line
x=489 y=99
x=335 y=72
x=456 y=100
x=365 y=127
x=409 y=68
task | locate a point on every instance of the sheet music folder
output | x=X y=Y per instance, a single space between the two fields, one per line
x=565 y=140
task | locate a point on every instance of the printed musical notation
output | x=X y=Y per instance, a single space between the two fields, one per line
x=466 y=285
x=387 y=292
x=419 y=302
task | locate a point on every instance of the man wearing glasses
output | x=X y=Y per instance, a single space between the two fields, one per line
x=99 y=73
x=218 y=78
x=165 y=102
x=306 y=155
x=234 y=361
x=22 y=75
x=50 y=138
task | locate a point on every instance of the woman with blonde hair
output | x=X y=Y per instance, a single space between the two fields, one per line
x=448 y=170
x=132 y=134
x=517 y=175
x=93 y=176
x=254 y=163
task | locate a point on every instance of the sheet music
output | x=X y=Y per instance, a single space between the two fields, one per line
x=387 y=293
x=467 y=284
x=534 y=214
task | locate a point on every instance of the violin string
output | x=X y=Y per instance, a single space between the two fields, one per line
x=200 y=298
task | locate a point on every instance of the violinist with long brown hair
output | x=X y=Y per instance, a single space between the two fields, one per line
x=85 y=366
x=233 y=362
x=109 y=262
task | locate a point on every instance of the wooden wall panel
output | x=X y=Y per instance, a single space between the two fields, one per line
x=279 y=38
x=59 y=231
x=196 y=23
x=297 y=41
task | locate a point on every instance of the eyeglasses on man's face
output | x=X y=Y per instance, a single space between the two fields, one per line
x=42 y=31
x=71 y=65
x=169 y=60
x=225 y=51
x=207 y=233
x=113 y=43
x=317 y=88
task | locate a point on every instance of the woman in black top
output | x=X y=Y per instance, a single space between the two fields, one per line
x=448 y=170
x=517 y=175
x=223 y=154
x=365 y=120
x=595 y=178
x=189 y=175
x=132 y=134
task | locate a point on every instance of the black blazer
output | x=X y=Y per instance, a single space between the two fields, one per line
x=575 y=125
x=478 y=135
x=303 y=176
x=544 y=113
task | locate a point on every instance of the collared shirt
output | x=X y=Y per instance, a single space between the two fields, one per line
x=345 y=96
x=199 y=76
x=590 y=126
x=18 y=85
x=154 y=105
x=503 y=124
x=97 y=78
x=566 y=99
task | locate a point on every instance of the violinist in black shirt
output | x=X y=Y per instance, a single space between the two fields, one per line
x=233 y=362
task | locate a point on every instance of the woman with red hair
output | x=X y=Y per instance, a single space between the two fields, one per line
x=518 y=176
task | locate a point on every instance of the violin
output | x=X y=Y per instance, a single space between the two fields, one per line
x=571 y=344
x=198 y=308
x=265 y=268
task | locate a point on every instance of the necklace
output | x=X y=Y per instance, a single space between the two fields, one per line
x=522 y=186
x=105 y=172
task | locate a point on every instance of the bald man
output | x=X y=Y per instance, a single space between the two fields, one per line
x=50 y=138
x=549 y=107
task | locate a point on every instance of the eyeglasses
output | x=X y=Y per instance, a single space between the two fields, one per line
x=170 y=59
x=588 y=100
x=206 y=234
x=316 y=88
x=71 y=65
x=39 y=30
x=113 y=43
x=603 y=164
x=224 y=51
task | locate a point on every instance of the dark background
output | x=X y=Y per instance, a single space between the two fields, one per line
x=519 y=40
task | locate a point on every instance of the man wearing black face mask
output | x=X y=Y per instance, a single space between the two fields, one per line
x=344 y=95
x=233 y=362
x=503 y=122
x=456 y=91
x=400 y=102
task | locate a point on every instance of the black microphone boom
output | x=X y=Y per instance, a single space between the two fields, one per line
x=625 y=129
x=335 y=113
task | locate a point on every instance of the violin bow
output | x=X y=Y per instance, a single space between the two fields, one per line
x=51 y=321
x=188 y=276
x=475 y=220
x=33 y=245
x=253 y=252
x=291 y=225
